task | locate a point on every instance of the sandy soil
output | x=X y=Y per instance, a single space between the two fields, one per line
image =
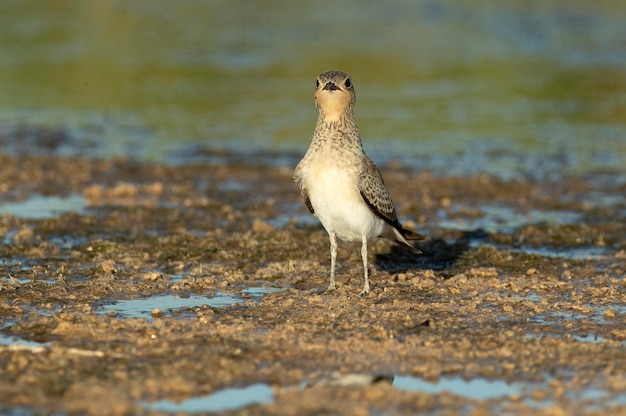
x=535 y=298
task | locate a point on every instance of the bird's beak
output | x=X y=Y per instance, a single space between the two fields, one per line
x=330 y=86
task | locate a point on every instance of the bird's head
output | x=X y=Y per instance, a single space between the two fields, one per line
x=334 y=95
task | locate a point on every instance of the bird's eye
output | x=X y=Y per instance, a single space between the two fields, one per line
x=348 y=83
x=317 y=83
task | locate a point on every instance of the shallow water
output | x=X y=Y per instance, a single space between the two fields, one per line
x=596 y=314
x=261 y=393
x=476 y=389
x=13 y=341
x=220 y=401
x=502 y=219
x=484 y=389
x=40 y=207
x=456 y=86
x=144 y=308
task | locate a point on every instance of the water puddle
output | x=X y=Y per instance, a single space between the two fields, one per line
x=63 y=242
x=14 y=342
x=554 y=318
x=13 y=262
x=501 y=219
x=144 y=308
x=478 y=388
x=238 y=398
x=591 y=338
x=570 y=253
x=42 y=207
x=475 y=389
x=233 y=185
x=293 y=212
x=220 y=401
x=306 y=220
x=259 y=292
x=597 y=314
x=14 y=275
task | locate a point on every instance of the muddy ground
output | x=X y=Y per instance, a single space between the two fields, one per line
x=532 y=296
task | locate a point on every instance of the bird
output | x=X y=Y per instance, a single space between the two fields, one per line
x=340 y=184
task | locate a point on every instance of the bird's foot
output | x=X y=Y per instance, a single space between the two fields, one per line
x=331 y=288
x=365 y=291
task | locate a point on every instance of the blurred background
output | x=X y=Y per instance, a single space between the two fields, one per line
x=457 y=86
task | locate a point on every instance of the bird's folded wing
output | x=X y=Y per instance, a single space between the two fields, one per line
x=307 y=200
x=375 y=193
x=297 y=176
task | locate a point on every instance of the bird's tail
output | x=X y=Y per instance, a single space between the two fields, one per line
x=411 y=235
x=402 y=236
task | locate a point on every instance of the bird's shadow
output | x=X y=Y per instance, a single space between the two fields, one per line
x=438 y=254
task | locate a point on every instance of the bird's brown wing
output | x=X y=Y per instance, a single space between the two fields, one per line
x=376 y=196
x=297 y=176
x=375 y=193
x=307 y=201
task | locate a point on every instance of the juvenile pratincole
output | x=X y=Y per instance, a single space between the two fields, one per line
x=339 y=183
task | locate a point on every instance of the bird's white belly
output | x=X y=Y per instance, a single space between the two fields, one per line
x=337 y=203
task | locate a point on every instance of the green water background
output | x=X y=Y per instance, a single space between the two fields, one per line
x=456 y=85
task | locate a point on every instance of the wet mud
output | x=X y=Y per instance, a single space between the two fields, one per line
x=518 y=305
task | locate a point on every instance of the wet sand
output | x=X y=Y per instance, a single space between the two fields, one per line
x=521 y=287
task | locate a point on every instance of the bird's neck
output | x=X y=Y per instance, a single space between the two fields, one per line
x=342 y=132
x=344 y=123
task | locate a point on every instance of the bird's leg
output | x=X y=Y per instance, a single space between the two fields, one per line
x=333 y=259
x=366 y=287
